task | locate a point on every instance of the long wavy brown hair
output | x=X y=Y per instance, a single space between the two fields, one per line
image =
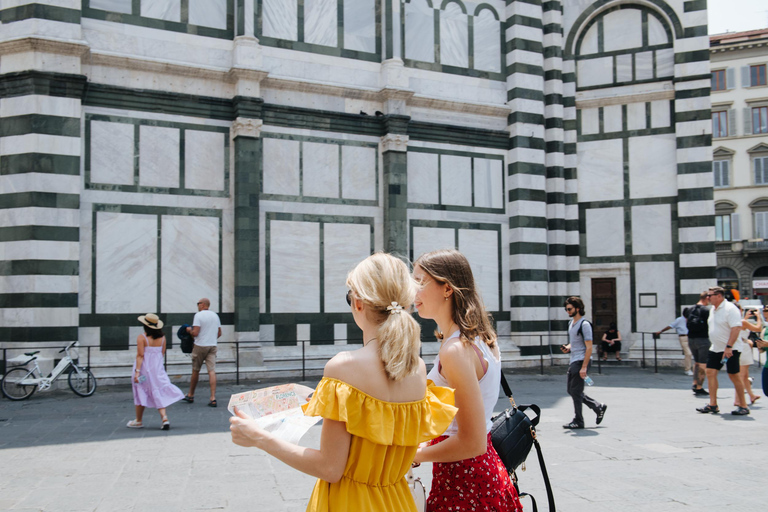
x=448 y=266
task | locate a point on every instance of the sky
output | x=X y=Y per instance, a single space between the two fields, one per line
x=737 y=15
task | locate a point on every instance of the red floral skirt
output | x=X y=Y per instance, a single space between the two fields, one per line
x=480 y=484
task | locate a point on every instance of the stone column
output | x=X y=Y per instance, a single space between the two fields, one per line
x=395 y=167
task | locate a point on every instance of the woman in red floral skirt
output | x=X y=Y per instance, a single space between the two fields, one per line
x=467 y=474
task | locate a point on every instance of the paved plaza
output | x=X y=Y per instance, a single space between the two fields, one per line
x=653 y=452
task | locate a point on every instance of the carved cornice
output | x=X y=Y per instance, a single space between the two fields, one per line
x=44 y=45
x=114 y=60
x=394 y=142
x=246 y=127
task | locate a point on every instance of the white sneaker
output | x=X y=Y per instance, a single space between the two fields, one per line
x=688 y=372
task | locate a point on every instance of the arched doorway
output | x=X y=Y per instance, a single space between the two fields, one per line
x=728 y=279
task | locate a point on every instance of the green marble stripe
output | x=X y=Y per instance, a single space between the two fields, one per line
x=519 y=19
x=453 y=70
x=39 y=200
x=530 y=326
x=553 y=74
x=129 y=319
x=694 y=167
x=525 y=117
x=570 y=173
x=563 y=276
x=471 y=154
x=523 y=44
x=693 y=115
x=553 y=28
x=526 y=194
x=478 y=137
x=555 y=197
x=51 y=233
x=700 y=31
x=38 y=300
x=628 y=133
x=528 y=69
x=531 y=2
x=25 y=83
x=692 y=93
x=39 y=11
x=526 y=142
x=38 y=334
x=525 y=221
x=697 y=247
x=298 y=117
x=695 y=194
x=395 y=185
x=555 y=171
x=694 y=141
x=40 y=163
x=524 y=274
x=526 y=168
x=556 y=225
x=555 y=146
x=692 y=78
x=571 y=198
x=692 y=56
x=157 y=210
x=694 y=5
x=248 y=173
x=569 y=78
x=699 y=221
x=528 y=248
x=551 y=52
x=40 y=124
x=39 y=268
x=696 y=273
x=572 y=224
x=245 y=106
x=525 y=94
x=529 y=301
x=453 y=208
x=553 y=99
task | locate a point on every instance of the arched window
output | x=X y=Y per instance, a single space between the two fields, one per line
x=454 y=35
x=419 y=31
x=727 y=278
x=487 y=40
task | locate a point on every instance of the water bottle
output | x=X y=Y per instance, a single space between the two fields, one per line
x=724 y=360
x=142 y=378
x=588 y=381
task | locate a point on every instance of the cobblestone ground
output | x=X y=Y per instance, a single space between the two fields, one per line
x=653 y=452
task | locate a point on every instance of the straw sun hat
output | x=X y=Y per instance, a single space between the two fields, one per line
x=151 y=320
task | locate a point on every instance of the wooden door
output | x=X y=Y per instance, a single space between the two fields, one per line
x=603 y=305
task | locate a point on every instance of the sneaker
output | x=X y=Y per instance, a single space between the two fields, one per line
x=700 y=392
x=741 y=411
x=601 y=414
x=688 y=372
x=710 y=408
x=573 y=425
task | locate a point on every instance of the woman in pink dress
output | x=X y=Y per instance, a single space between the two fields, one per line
x=151 y=385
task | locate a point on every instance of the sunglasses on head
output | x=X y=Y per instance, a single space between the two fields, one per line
x=349 y=297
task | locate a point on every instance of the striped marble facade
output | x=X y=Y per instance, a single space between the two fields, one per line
x=251 y=151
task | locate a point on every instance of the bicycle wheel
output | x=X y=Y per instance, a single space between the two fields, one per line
x=12 y=387
x=82 y=381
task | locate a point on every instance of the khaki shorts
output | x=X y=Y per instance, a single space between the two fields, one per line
x=202 y=355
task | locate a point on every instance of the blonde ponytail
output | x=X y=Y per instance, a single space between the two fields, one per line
x=382 y=281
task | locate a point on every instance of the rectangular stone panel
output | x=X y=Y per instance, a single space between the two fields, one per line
x=481 y=247
x=162 y=9
x=600 y=170
x=489 y=183
x=605 y=232
x=344 y=246
x=204 y=160
x=659 y=278
x=320 y=169
x=294 y=268
x=321 y=22
x=456 y=180
x=281 y=166
x=112 y=150
x=592 y=72
x=159 y=156
x=358 y=172
x=280 y=19
x=422 y=178
x=431 y=239
x=208 y=13
x=652 y=229
x=360 y=25
x=653 y=166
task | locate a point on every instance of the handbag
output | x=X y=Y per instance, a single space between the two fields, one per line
x=417 y=491
x=513 y=433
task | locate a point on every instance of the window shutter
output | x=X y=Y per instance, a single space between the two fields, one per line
x=746 y=80
x=735 y=231
x=730 y=78
x=732 y=123
x=725 y=175
x=758 y=171
x=747 y=121
x=760 y=218
x=716 y=172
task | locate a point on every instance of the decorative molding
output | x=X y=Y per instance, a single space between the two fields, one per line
x=246 y=127
x=44 y=45
x=624 y=99
x=394 y=142
x=159 y=66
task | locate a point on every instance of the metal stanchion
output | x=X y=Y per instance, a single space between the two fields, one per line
x=655 y=355
x=237 y=363
x=643 y=363
x=541 y=353
x=303 y=363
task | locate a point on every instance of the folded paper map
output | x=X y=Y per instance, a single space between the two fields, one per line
x=277 y=409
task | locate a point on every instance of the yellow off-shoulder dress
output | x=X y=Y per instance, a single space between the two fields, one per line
x=385 y=436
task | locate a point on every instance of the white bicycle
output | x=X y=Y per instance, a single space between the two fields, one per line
x=20 y=383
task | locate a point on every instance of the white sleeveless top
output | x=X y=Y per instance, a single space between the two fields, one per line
x=489 y=384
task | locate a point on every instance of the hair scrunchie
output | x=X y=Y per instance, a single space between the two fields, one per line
x=394 y=307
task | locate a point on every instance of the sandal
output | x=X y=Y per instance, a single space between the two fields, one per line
x=166 y=424
x=709 y=408
x=753 y=400
x=212 y=403
x=189 y=399
x=618 y=358
x=134 y=424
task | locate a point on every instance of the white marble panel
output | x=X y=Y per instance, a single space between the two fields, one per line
x=189 y=267
x=34 y=216
x=303 y=332
x=658 y=278
x=358 y=172
x=623 y=68
x=281 y=166
x=126 y=262
x=340 y=334
x=605 y=232
x=39 y=182
x=622 y=29
x=159 y=156
x=294 y=271
x=487 y=43
x=651 y=229
x=419 y=31
x=589 y=43
x=162 y=9
x=660 y=114
x=456 y=180
x=39 y=284
x=344 y=246
x=208 y=13
x=40 y=143
x=432 y=239
x=601 y=170
x=422 y=178
x=644 y=66
x=665 y=62
x=612 y=118
x=280 y=19
x=360 y=25
x=695 y=286
x=39 y=104
x=320 y=170
x=489 y=183
x=636 y=119
x=590 y=121
x=204 y=160
x=321 y=22
x=123 y=6
x=595 y=71
x=698 y=260
x=481 y=247
x=652 y=166
x=112 y=151
x=38 y=317
x=656 y=32
x=454 y=36
x=228 y=261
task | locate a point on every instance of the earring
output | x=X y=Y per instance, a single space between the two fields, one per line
x=446 y=298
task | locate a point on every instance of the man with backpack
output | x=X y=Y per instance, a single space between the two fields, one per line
x=698 y=341
x=580 y=348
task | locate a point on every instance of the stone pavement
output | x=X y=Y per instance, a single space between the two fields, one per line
x=59 y=452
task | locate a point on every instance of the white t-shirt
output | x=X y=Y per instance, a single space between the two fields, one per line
x=209 y=324
x=721 y=320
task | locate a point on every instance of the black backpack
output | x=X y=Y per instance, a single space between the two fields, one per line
x=187 y=342
x=581 y=326
x=697 y=322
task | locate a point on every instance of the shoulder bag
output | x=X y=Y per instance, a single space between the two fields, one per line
x=417 y=490
x=513 y=433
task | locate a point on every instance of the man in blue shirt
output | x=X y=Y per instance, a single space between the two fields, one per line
x=580 y=348
x=680 y=325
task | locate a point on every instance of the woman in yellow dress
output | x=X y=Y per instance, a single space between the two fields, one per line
x=374 y=401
